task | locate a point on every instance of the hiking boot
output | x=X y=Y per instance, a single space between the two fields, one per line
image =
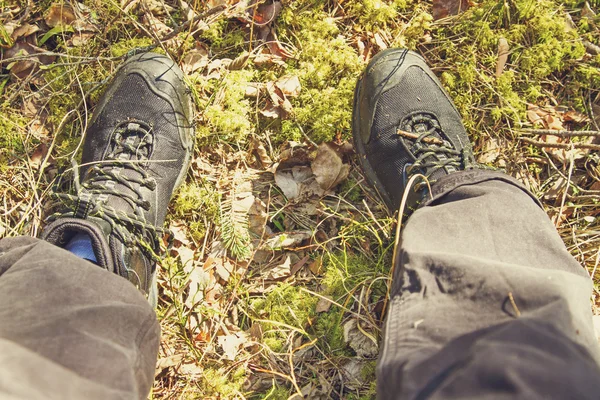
x=136 y=152
x=404 y=124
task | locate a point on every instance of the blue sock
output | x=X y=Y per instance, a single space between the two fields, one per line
x=81 y=246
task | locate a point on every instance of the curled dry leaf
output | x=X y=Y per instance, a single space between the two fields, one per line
x=195 y=59
x=363 y=345
x=328 y=167
x=261 y=151
x=282 y=270
x=60 y=14
x=24 y=31
x=323 y=305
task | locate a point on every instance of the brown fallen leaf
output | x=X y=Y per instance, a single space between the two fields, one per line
x=60 y=14
x=26 y=66
x=445 y=8
x=280 y=271
x=289 y=86
x=38 y=155
x=24 y=31
x=261 y=151
x=316 y=266
x=195 y=59
x=278 y=98
x=323 y=305
x=328 y=167
x=364 y=346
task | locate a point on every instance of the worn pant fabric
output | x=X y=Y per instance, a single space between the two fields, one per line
x=486 y=301
x=70 y=329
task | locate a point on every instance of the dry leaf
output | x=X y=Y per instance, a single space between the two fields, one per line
x=195 y=59
x=445 y=8
x=491 y=151
x=38 y=155
x=287 y=240
x=23 y=68
x=298 y=183
x=289 y=86
x=80 y=38
x=280 y=271
x=263 y=156
x=267 y=58
x=60 y=14
x=167 y=362
x=379 y=41
x=503 y=50
x=231 y=344
x=24 y=31
x=364 y=346
x=198 y=281
x=323 y=305
x=316 y=266
x=328 y=167
x=278 y=98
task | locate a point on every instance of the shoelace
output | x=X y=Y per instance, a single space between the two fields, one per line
x=89 y=200
x=433 y=154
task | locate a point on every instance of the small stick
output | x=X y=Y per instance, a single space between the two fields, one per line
x=410 y=135
x=559 y=133
x=567 y=146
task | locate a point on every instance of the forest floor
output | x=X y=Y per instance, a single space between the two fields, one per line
x=277 y=281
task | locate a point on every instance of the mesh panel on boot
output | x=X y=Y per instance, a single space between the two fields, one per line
x=416 y=92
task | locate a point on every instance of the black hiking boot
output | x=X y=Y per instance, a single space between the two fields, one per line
x=405 y=124
x=135 y=154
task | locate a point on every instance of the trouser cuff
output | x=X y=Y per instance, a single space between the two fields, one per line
x=452 y=181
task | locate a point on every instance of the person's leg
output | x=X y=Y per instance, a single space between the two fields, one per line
x=485 y=301
x=71 y=326
x=69 y=329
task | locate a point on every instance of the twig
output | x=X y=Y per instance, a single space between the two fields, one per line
x=410 y=135
x=551 y=132
x=567 y=146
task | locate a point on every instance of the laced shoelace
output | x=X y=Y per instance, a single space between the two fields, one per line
x=433 y=154
x=101 y=178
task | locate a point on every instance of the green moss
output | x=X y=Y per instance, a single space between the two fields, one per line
x=124 y=46
x=541 y=50
x=12 y=134
x=222 y=383
x=228 y=116
x=197 y=203
x=373 y=14
x=327 y=68
x=289 y=305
